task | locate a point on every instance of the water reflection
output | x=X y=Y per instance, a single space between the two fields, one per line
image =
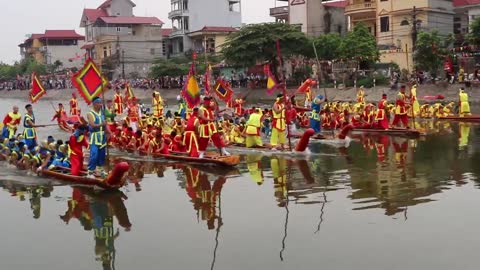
x=34 y=194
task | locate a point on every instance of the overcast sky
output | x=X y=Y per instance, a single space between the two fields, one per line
x=23 y=17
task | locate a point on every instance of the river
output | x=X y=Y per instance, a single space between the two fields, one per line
x=414 y=207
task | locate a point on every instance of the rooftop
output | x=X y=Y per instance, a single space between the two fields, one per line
x=462 y=3
x=55 y=34
x=130 y=20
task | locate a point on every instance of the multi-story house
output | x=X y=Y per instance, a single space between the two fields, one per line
x=54 y=46
x=121 y=42
x=315 y=17
x=394 y=24
x=466 y=11
x=202 y=25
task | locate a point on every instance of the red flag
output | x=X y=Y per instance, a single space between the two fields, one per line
x=37 y=90
x=223 y=90
x=208 y=74
x=89 y=81
x=272 y=84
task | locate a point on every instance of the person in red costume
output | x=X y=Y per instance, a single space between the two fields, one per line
x=74 y=110
x=190 y=137
x=208 y=128
x=77 y=142
x=401 y=109
x=381 y=117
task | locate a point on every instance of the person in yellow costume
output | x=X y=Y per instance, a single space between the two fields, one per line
x=237 y=132
x=415 y=109
x=252 y=132
x=361 y=95
x=11 y=122
x=157 y=104
x=279 y=123
x=461 y=75
x=464 y=104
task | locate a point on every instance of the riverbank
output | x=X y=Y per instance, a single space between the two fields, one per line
x=450 y=92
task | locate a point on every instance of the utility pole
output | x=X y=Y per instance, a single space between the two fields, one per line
x=123 y=64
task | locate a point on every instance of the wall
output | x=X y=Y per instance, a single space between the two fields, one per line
x=202 y=14
x=120 y=8
x=398 y=57
x=63 y=53
x=298 y=16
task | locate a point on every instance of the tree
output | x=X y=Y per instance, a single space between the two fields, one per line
x=474 y=35
x=430 y=51
x=328 y=46
x=360 y=45
x=256 y=43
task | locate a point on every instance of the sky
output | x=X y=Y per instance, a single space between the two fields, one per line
x=35 y=16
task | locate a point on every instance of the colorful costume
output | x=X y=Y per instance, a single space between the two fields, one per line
x=10 y=124
x=118 y=103
x=29 y=133
x=401 y=110
x=98 y=142
x=74 y=106
x=315 y=122
x=279 y=125
x=381 y=117
x=252 y=131
x=157 y=103
x=464 y=104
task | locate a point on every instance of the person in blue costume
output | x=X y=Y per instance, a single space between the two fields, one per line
x=98 y=138
x=315 y=122
x=29 y=133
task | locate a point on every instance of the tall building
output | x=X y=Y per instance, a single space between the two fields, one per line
x=201 y=25
x=315 y=17
x=392 y=23
x=119 y=41
x=54 y=46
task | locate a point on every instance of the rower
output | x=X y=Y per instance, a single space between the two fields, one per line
x=208 y=128
x=464 y=104
x=74 y=105
x=29 y=133
x=98 y=138
x=415 y=109
x=11 y=122
x=315 y=123
x=400 y=109
x=279 y=123
x=60 y=114
x=252 y=131
x=190 y=136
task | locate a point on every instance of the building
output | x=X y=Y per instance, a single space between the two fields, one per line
x=466 y=11
x=120 y=42
x=197 y=26
x=315 y=17
x=392 y=23
x=54 y=46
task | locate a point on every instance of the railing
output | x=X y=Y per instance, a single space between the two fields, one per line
x=359 y=7
x=177 y=13
x=276 y=11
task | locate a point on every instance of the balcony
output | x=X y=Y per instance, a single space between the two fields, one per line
x=361 y=8
x=279 y=11
x=177 y=33
x=177 y=13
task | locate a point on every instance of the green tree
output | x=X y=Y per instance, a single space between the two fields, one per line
x=256 y=43
x=360 y=45
x=328 y=46
x=430 y=51
x=474 y=35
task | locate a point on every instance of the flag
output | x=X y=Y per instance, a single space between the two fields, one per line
x=223 y=90
x=271 y=81
x=191 y=90
x=37 y=90
x=128 y=92
x=89 y=81
x=208 y=75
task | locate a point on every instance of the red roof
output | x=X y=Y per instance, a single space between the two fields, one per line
x=218 y=29
x=337 y=4
x=166 y=32
x=64 y=34
x=131 y=20
x=462 y=3
x=93 y=14
x=87 y=46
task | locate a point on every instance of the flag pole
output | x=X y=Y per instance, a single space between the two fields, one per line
x=107 y=159
x=284 y=89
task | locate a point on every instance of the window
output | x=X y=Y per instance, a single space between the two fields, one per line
x=384 y=24
x=185 y=24
x=119 y=29
x=152 y=51
x=105 y=54
x=164 y=48
x=185 y=5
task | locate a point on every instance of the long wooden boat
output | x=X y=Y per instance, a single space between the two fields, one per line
x=209 y=159
x=392 y=131
x=471 y=118
x=227 y=161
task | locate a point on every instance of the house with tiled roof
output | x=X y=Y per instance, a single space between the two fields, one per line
x=121 y=42
x=466 y=11
x=53 y=46
x=202 y=26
